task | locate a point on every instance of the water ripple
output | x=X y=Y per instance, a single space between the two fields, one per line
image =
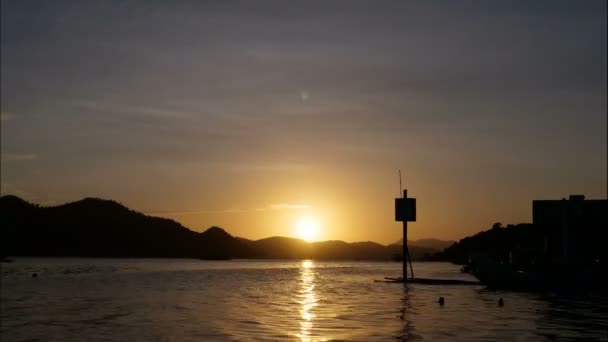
x=191 y=300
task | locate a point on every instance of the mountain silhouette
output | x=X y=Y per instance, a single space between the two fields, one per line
x=96 y=227
x=497 y=243
x=429 y=243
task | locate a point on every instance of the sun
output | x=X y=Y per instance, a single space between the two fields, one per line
x=307 y=228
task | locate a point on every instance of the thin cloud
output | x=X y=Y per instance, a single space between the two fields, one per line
x=196 y=212
x=279 y=206
x=6 y=116
x=18 y=156
x=283 y=206
x=9 y=189
x=128 y=109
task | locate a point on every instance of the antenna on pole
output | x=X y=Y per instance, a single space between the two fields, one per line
x=400 y=186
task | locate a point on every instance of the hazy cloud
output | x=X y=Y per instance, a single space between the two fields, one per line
x=278 y=206
x=10 y=189
x=282 y=206
x=6 y=116
x=128 y=109
x=18 y=156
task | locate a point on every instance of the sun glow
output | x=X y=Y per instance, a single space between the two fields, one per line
x=307 y=228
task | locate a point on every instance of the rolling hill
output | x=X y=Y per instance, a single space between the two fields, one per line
x=96 y=227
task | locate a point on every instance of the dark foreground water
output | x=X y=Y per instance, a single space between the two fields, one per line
x=191 y=300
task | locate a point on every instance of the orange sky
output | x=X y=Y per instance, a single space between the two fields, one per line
x=354 y=207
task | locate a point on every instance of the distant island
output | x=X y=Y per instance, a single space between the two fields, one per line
x=95 y=227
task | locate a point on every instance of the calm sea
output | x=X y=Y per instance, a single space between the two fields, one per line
x=192 y=300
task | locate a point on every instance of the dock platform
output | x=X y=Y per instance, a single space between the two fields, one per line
x=426 y=281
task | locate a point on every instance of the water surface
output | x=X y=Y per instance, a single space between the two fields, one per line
x=192 y=300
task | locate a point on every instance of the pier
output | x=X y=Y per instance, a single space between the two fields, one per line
x=426 y=281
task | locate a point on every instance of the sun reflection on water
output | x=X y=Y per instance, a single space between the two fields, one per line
x=308 y=301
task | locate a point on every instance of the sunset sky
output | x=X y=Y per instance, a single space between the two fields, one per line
x=251 y=114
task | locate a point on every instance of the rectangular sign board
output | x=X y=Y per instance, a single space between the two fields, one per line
x=405 y=209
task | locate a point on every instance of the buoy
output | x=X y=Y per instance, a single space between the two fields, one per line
x=441 y=301
x=501 y=302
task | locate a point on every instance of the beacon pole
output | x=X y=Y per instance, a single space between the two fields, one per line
x=405 y=249
x=405 y=210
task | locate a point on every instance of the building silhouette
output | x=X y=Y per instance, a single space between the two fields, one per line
x=574 y=229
